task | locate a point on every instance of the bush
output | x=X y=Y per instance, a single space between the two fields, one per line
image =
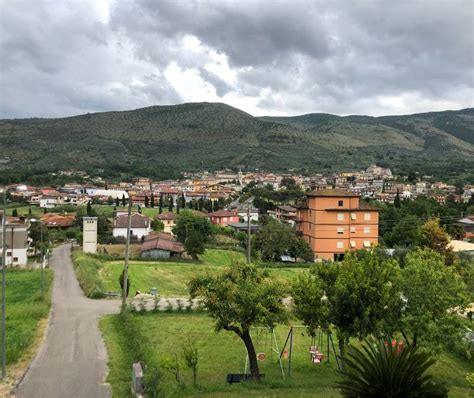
x=382 y=371
x=87 y=271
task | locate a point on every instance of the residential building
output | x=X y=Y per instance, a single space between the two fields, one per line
x=467 y=224
x=285 y=213
x=16 y=239
x=169 y=221
x=223 y=217
x=334 y=221
x=140 y=226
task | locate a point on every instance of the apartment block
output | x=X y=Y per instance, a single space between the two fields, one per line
x=334 y=221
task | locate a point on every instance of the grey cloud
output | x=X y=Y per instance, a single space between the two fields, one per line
x=292 y=56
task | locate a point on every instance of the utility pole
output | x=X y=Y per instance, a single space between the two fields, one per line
x=248 y=234
x=42 y=260
x=4 y=259
x=127 y=254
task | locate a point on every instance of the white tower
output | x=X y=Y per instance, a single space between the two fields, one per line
x=89 y=235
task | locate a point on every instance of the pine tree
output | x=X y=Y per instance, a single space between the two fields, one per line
x=147 y=202
x=183 y=200
x=396 y=201
x=152 y=200
x=170 y=204
x=123 y=200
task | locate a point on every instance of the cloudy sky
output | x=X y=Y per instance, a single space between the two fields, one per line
x=61 y=58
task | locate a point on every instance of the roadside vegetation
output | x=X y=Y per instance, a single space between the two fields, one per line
x=25 y=310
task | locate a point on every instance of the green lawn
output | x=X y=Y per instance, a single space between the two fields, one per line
x=156 y=338
x=171 y=277
x=23 y=210
x=25 y=309
x=109 y=209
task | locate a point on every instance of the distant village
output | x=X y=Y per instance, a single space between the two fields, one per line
x=219 y=197
x=375 y=182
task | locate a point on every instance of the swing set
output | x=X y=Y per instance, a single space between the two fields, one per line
x=316 y=349
x=319 y=341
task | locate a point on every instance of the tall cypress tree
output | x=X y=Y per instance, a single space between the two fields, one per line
x=396 y=201
x=147 y=202
x=183 y=200
x=123 y=200
x=152 y=200
x=170 y=204
x=161 y=203
x=89 y=209
x=117 y=202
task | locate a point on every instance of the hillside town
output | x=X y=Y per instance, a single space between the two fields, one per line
x=225 y=199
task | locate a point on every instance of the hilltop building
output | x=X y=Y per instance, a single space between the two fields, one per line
x=334 y=221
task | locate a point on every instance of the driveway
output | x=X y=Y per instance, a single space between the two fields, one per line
x=72 y=360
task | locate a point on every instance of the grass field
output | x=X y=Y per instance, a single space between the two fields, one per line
x=147 y=211
x=25 y=309
x=157 y=337
x=171 y=278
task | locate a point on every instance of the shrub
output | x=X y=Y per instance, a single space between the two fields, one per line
x=87 y=271
x=382 y=371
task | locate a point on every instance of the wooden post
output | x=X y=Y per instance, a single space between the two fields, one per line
x=127 y=254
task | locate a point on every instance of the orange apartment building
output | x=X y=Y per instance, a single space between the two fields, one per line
x=334 y=221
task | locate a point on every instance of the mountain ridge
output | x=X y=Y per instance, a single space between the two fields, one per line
x=205 y=135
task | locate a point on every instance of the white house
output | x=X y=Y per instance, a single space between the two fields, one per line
x=140 y=226
x=17 y=237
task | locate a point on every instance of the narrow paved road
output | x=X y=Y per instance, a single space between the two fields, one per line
x=72 y=359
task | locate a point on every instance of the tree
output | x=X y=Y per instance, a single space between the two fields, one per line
x=239 y=298
x=89 y=209
x=157 y=225
x=274 y=239
x=183 y=200
x=170 y=204
x=160 y=204
x=187 y=222
x=300 y=249
x=365 y=297
x=310 y=303
x=191 y=358
x=110 y=201
x=152 y=200
x=123 y=200
x=147 y=201
x=396 y=201
x=433 y=236
x=117 y=202
x=121 y=281
x=15 y=212
x=431 y=290
x=404 y=233
x=194 y=244
x=382 y=371
x=29 y=212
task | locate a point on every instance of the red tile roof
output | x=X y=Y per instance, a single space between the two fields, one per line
x=162 y=241
x=138 y=221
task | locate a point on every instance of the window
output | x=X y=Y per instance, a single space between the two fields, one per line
x=340 y=231
x=340 y=203
x=353 y=229
x=367 y=216
x=366 y=243
x=353 y=216
x=340 y=216
x=340 y=245
x=366 y=230
x=9 y=254
x=15 y=259
x=353 y=243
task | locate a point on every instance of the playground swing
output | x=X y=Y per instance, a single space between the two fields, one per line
x=315 y=349
x=261 y=356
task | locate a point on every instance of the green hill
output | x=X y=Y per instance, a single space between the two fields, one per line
x=162 y=140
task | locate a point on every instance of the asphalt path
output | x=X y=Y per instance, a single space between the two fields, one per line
x=72 y=360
